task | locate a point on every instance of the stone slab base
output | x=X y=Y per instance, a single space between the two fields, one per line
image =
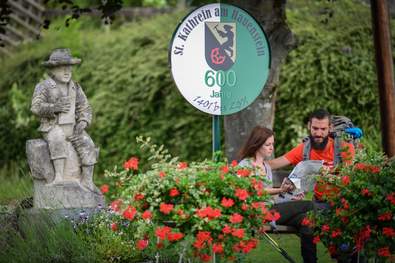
x=68 y=194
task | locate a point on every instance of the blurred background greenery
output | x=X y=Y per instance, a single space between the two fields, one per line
x=127 y=79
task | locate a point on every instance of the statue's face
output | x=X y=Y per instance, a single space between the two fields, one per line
x=61 y=73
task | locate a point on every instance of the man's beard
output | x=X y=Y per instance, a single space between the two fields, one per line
x=318 y=145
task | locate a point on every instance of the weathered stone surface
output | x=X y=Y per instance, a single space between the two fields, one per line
x=68 y=194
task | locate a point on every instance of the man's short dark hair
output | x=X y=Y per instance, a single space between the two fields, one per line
x=320 y=114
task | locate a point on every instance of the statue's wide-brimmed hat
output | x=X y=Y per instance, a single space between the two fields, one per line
x=61 y=57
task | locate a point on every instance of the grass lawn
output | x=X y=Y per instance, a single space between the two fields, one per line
x=265 y=253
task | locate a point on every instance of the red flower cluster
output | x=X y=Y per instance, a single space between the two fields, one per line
x=272 y=216
x=238 y=232
x=243 y=172
x=391 y=198
x=218 y=248
x=162 y=174
x=116 y=205
x=236 y=218
x=129 y=213
x=361 y=237
x=345 y=180
x=104 y=188
x=162 y=232
x=306 y=222
x=203 y=238
x=227 y=202
x=365 y=192
x=367 y=168
x=208 y=212
x=224 y=169
x=174 y=192
x=138 y=197
x=114 y=227
x=165 y=208
x=242 y=194
x=234 y=163
x=384 y=252
x=336 y=233
x=245 y=246
x=388 y=231
x=142 y=244
x=132 y=163
x=385 y=216
x=182 y=165
x=146 y=215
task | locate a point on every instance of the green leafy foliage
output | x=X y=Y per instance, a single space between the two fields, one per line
x=350 y=224
x=332 y=67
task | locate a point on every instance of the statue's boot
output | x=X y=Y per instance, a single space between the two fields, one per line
x=59 y=171
x=87 y=179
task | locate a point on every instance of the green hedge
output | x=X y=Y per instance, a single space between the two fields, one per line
x=126 y=77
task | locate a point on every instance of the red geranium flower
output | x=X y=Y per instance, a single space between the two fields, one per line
x=236 y=218
x=325 y=228
x=227 y=202
x=175 y=236
x=388 y=231
x=174 y=192
x=116 y=205
x=242 y=194
x=345 y=180
x=208 y=212
x=142 y=244
x=182 y=165
x=132 y=163
x=391 y=198
x=138 y=197
x=385 y=216
x=166 y=208
x=238 y=232
x=205 y=257
x=243 y=172
x=129 y=213
x=162 y=232
x=224 y=169
x=227 y=229
x=147 y=215
x=162 y=174
x=114 y=226
x=234 y=163
x=365 y=192
x=104 y=188
x=218 y=248
x=316 y=239
x=336 y=233
x=306 y=222
x=384 y=252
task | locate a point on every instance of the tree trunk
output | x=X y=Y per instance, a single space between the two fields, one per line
x=271 y=15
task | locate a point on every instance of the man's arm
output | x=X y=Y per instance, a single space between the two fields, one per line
x=279 y=162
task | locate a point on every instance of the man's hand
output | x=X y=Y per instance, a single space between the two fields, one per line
x=62 y=105
x=299 y=196
x=80 y=127
x=287 y=185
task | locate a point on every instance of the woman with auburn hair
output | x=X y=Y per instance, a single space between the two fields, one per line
x=256 y=150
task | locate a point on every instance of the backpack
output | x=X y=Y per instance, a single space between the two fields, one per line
x=338 y=133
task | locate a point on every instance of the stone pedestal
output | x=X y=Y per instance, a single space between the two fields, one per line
x=66 y=194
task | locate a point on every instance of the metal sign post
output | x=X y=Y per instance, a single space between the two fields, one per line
x=220 y=61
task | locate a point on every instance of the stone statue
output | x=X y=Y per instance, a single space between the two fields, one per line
x=63 y=163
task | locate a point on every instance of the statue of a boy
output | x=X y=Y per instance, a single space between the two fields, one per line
x=64 y=114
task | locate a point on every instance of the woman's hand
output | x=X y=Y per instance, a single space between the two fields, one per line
x=299 y=196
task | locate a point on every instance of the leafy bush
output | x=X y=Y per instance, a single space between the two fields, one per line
x=362 y=208
x=196 y=209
